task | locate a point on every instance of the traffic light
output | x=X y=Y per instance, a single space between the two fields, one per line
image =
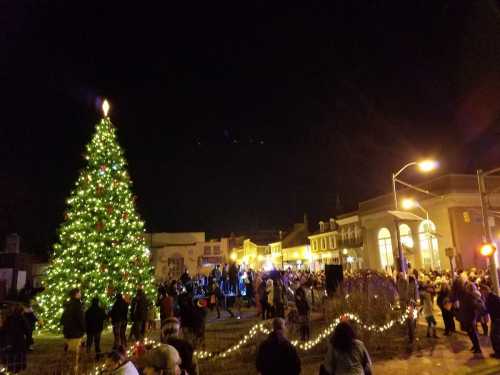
x=487 y=249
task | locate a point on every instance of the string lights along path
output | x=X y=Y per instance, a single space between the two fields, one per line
x=311 y=343
x=305 y=346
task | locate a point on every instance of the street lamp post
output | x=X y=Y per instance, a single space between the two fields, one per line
x=424 y=166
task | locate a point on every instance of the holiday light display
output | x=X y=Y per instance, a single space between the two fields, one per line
x=307 y=345
x=101 y=247
x=409 y=313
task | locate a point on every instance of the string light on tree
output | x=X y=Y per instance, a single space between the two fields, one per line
x=101 y=235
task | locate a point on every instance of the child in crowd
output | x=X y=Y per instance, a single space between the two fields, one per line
x=426 y=296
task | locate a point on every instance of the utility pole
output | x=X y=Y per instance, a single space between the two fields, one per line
x=487 y=235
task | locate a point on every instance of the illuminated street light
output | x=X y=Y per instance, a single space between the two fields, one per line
x=487 y=249
x=408 y=204
x=427 y=165
x=233 y=256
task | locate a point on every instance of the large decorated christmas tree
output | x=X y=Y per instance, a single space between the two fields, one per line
x=101 y=247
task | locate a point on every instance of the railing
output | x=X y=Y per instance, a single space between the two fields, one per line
x=350 y=242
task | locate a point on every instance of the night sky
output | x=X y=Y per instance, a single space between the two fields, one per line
x=237 y=116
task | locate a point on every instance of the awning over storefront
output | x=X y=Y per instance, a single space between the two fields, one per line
x=405 y=215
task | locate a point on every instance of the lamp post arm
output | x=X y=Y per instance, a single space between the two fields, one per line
x=487 y=173
x=415 y=187
x=402 y=169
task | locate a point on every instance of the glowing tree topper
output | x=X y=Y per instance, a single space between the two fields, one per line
x=101 y=247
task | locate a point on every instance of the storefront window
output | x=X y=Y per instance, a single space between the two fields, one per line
x=385 y=248
x=429 y=249
x=405 y=235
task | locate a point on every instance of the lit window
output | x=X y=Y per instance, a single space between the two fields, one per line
x=405 y=235
x=216 y=250
x=429 y=249
x=385 y=248
x=206 y=250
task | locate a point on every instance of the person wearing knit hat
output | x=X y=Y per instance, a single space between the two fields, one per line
x=170 y=335
x=163 y=360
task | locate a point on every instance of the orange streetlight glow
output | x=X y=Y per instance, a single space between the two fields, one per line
x=427 y=165
x=487 y=249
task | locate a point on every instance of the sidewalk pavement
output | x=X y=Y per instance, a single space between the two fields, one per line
x=447 y=355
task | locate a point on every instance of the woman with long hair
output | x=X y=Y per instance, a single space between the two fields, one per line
x=346 y=355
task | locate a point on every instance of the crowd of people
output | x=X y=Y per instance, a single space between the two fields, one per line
x=465 y=298
x=284 y=297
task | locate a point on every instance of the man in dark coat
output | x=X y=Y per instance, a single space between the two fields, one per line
x=303 y=310
x=233 y=277
x=73 y=322
x=94 y=321
x=471 y=307
x=118 y=315
x=185 y=278
x=139 y=315
x=16 y=330
x=276 y=355
x=492 y=302
x=166 y=305
x=72 y=319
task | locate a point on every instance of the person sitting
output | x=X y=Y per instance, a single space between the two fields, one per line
x=346 y=355
x=276 y=355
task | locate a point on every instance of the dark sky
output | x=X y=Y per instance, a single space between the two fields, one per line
x=239 y=115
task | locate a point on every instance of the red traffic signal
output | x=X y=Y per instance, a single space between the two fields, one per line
x=487 y=249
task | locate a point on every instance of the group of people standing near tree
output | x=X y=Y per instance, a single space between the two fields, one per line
x=174 y=354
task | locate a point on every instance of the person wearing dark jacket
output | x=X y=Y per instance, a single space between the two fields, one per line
x=185 y=278
x=16 y=331
x=166 y=305
x=303 y=310
x=118 y=315
x=492 y=302
x=276 y=355
x=233 y=278
x=94 y=321
x=139 y=315
x=218 y=300
x=471 y=307
x=31 y=320
x=73 y=322
x=445 y=305
x=280 y=300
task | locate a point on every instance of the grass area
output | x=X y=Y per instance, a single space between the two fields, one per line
x=49 y=357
